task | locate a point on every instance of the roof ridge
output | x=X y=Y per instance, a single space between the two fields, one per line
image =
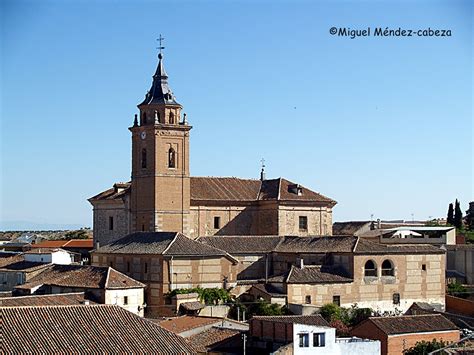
x=171 y=243
x=279 y=189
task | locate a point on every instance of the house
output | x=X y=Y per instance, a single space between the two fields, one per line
x=460 y=262
x=208 y=334
x=100 y=284
x=314 y=339
x=402 y=332
x=218 y=340
x=187 y=326
x=165 y=262
x=309 y=334
x=81 y=246
x=68 y=330
x=52 y=256
x=15 y=270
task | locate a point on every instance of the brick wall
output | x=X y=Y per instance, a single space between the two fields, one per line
x=460 y=306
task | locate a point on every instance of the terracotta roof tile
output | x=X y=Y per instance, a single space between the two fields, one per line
x=62 y=299
x=67 y=329
x=213 y=337
x=286 y=194
x=26 y=266
x=243 y=244
x=334 y=244
x=10 y=258
x=184 y=323
x=412 y=324
x=225 y=189
x=82 y=276
x=365 y=246
x=315 y=274
x=165 y=243
x=315 y=319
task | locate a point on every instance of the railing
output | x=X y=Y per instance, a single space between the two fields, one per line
x=352 y=340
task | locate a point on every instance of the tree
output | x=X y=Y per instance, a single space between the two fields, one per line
x=457 y=215
x=470 y=217
x=450 y=219
x=424 y=347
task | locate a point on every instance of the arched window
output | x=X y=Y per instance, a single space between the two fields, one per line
x=387 y=268
x=171 y=117
x=143 y=158
x=370 y=268
x=144 y=118
x=171 y=158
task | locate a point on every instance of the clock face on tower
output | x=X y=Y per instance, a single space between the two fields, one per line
x=143 y=135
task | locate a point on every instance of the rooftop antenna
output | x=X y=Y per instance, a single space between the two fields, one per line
x=262 y=173
x=160 y=40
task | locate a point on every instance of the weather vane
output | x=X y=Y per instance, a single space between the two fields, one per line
x=160 y=39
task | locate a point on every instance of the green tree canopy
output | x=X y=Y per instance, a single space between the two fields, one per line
x=424 y=347
x=450 y=218
x=457 y=215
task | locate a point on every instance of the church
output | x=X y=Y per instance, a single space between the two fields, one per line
x=163 y=196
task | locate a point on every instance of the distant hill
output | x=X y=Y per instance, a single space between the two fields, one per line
x=33 y=226
x=48 y=234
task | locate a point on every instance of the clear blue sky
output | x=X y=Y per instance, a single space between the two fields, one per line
x=383 y=125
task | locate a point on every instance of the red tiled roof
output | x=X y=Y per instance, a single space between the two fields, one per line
x=62 y=299
x=225 y=189
x=184 y=323
x=50 y=244
x=95 y=329
x=411 y=324
x=212 y=338
x=82 y=276
x=313 y=274
x=71 y=243
x=315 y=319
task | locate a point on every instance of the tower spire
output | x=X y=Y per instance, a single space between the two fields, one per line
x=160 y=92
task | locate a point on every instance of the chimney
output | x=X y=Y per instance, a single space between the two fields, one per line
x=86 y=302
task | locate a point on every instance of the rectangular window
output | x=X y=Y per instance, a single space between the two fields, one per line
x=308 y=299
x=111 y=223
x=303 y=223
x=423 y=267
x=146 y=268
x=217 y=222
x=396 y=298
x=128 y=266
x=125 y=300
x=304 y=340
x=19 y=278
x=336 y=300
x=319 y=340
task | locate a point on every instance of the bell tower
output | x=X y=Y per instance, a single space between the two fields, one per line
x=160 y=195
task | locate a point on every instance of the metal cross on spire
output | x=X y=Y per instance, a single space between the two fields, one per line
x=160 y=39
x=263 y=163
